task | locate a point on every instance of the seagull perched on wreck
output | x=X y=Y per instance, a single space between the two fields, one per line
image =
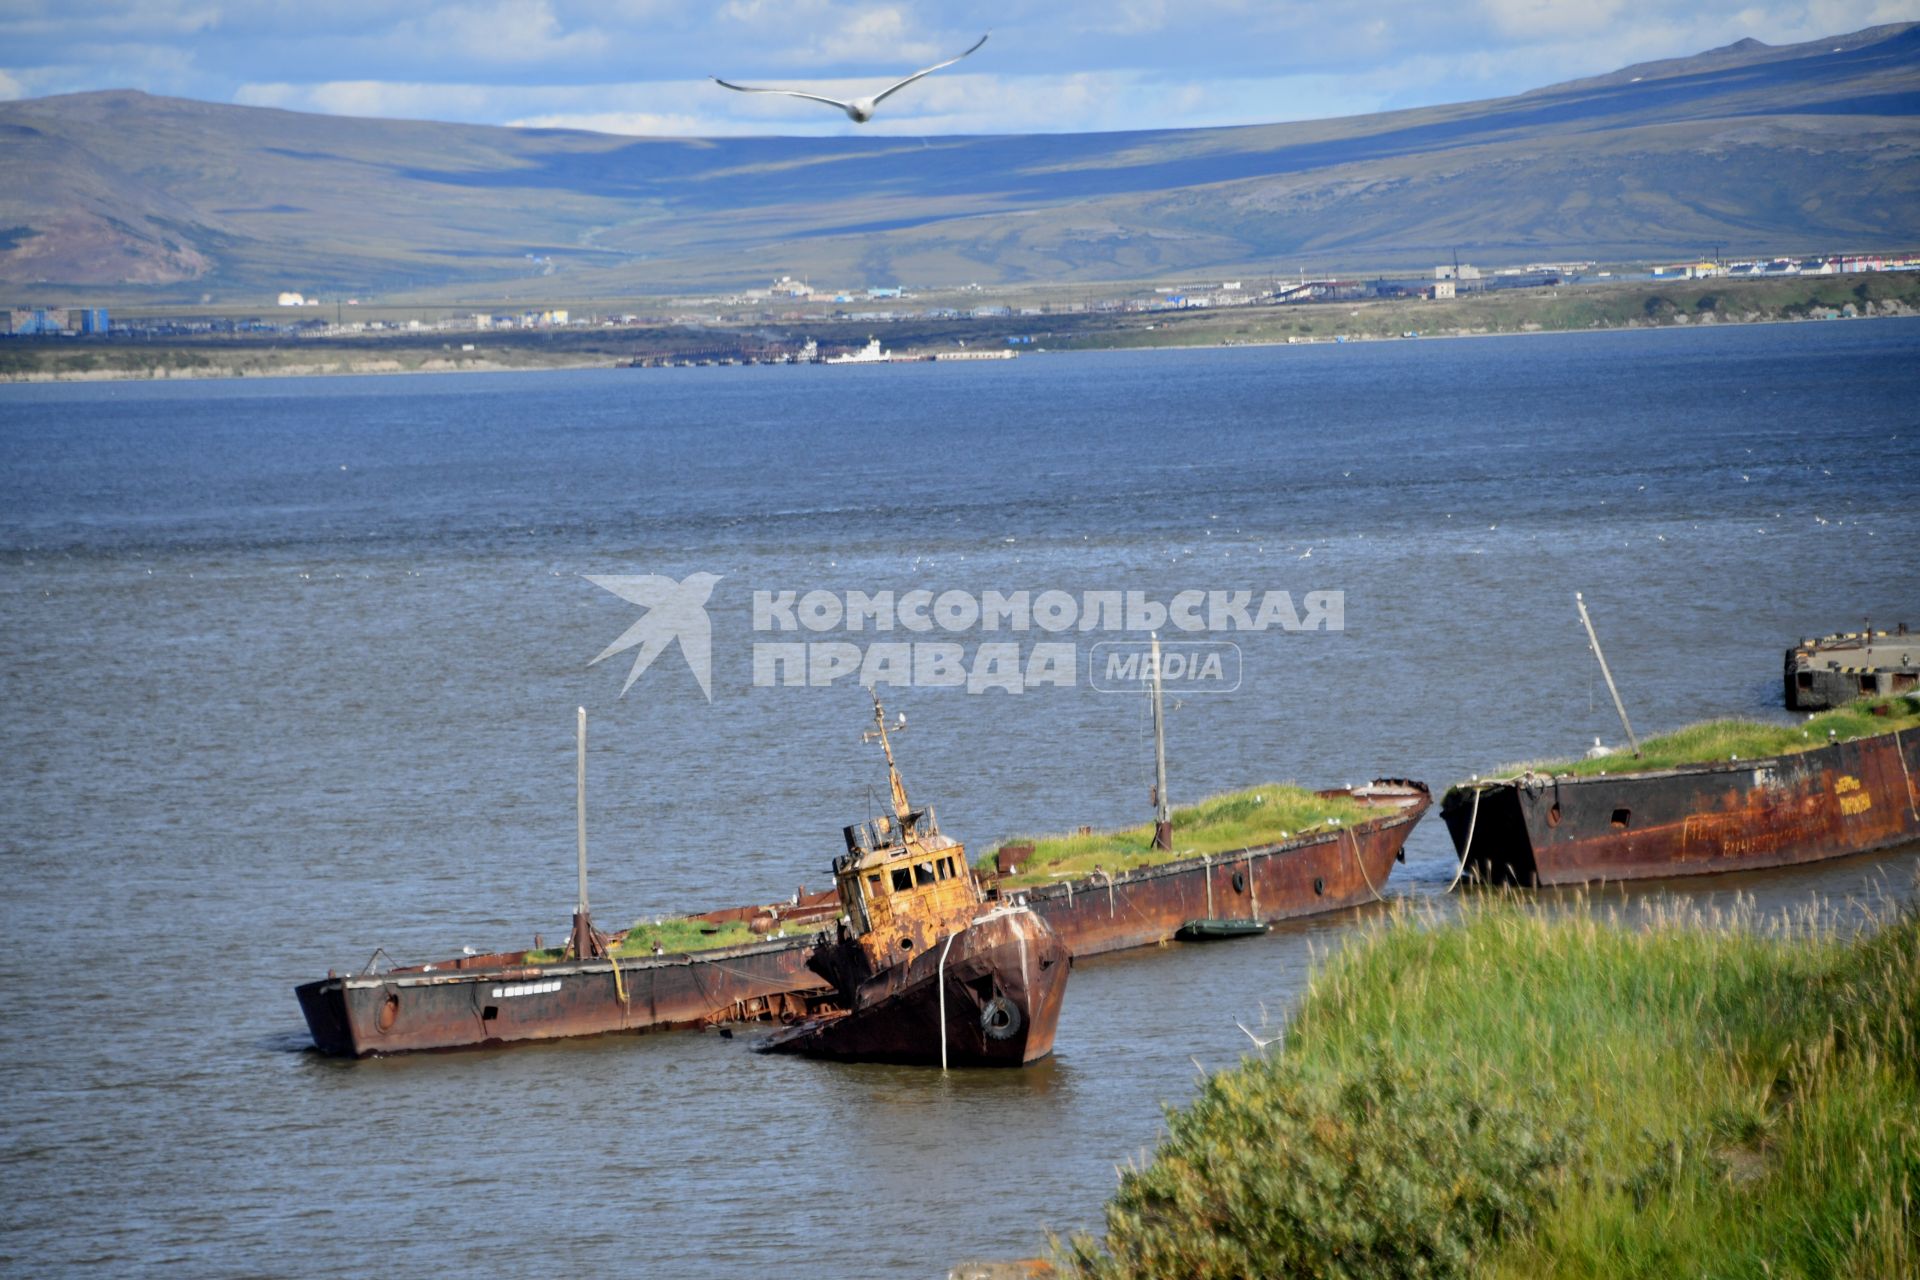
x=860 y=110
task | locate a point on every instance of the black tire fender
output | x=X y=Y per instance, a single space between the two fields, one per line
x=1000 y=1018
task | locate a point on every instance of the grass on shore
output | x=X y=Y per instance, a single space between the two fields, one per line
x=1532 y=1092
x=1218 y=824
x=1712 y=740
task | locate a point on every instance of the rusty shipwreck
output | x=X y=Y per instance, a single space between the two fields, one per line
x=1197 y=896
x=927 y=971
x=1555 y=828
x=597 y=984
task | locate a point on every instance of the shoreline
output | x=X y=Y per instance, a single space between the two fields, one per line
x=1189 y=330
x=1671 y=1091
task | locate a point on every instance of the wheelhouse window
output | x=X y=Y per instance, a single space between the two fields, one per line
x=923 y=873
x=902 y=879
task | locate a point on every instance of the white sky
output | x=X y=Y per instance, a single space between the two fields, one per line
x=640 y=66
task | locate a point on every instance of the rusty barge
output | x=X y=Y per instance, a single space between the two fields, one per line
x=926 y=970
x=1737 y=815
x=1208 y=896
x=472 y=1001
x=587 y=988
x=1327 y=869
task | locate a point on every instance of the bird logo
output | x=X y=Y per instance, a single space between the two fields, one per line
x=674 y=611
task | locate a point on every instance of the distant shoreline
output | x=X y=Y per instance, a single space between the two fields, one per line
x=1571 y=309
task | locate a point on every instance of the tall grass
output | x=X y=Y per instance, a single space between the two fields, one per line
x=1218 y=824
x=1534 y=1093
x=1712 y=740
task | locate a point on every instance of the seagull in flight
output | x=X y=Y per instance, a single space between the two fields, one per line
x=860 y=110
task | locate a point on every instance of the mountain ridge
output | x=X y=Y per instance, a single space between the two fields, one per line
x=1770 y=148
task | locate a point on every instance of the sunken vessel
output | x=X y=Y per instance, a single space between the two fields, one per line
x=926 y=969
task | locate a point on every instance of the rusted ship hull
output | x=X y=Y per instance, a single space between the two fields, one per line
x=1327 y=870
x=1850 y=797
x=989 y=996
x=480 y=1001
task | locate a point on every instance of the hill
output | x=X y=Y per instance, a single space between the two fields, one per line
x=1757 y=148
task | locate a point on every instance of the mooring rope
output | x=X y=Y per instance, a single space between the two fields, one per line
x=1900 y=754
x=619 y=986
x=1361 y=863
x=942 y=980
x=1466 y=850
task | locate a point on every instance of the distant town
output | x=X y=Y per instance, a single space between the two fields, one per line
x=790 y=301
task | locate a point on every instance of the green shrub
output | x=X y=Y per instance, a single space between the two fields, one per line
x=1274 y=1173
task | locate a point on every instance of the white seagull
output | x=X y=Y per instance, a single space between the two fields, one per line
x=860 y=110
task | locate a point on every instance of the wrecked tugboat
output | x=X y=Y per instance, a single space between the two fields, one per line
x=926 y=969
x=597 y=984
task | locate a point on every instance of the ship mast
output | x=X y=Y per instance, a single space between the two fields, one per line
x=1162 y=812
x=1618 y=705
x=584 y=942
x=899 y=789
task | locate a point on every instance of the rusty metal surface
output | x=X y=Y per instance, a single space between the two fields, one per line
x=461 y=1005
x=1851 y=797
x=1325 y=871
x=1005 y=978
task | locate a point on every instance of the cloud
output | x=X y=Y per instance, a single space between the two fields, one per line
x=10 y=88
x=505 y=31
x=876 y=35
x=1065 y=64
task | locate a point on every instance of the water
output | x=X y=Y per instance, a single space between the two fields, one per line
x=290 y=667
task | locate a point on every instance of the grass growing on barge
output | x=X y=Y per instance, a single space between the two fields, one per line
x=1218 y=824
x=679 y=935
x=1714 y=740
x=1532 y=1092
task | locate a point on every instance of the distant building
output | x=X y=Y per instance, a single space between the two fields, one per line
x=91 y=321
x=1443 y=289
x=1461 y=271
x=292 y=299
x=883 y=291
x=39 y=320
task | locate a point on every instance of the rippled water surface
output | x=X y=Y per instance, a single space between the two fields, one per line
x=290 y=667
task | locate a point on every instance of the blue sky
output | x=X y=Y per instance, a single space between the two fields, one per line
x=640 y=66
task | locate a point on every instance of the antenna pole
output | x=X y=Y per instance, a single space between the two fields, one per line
x=1594 y=640
x=1162 y=814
